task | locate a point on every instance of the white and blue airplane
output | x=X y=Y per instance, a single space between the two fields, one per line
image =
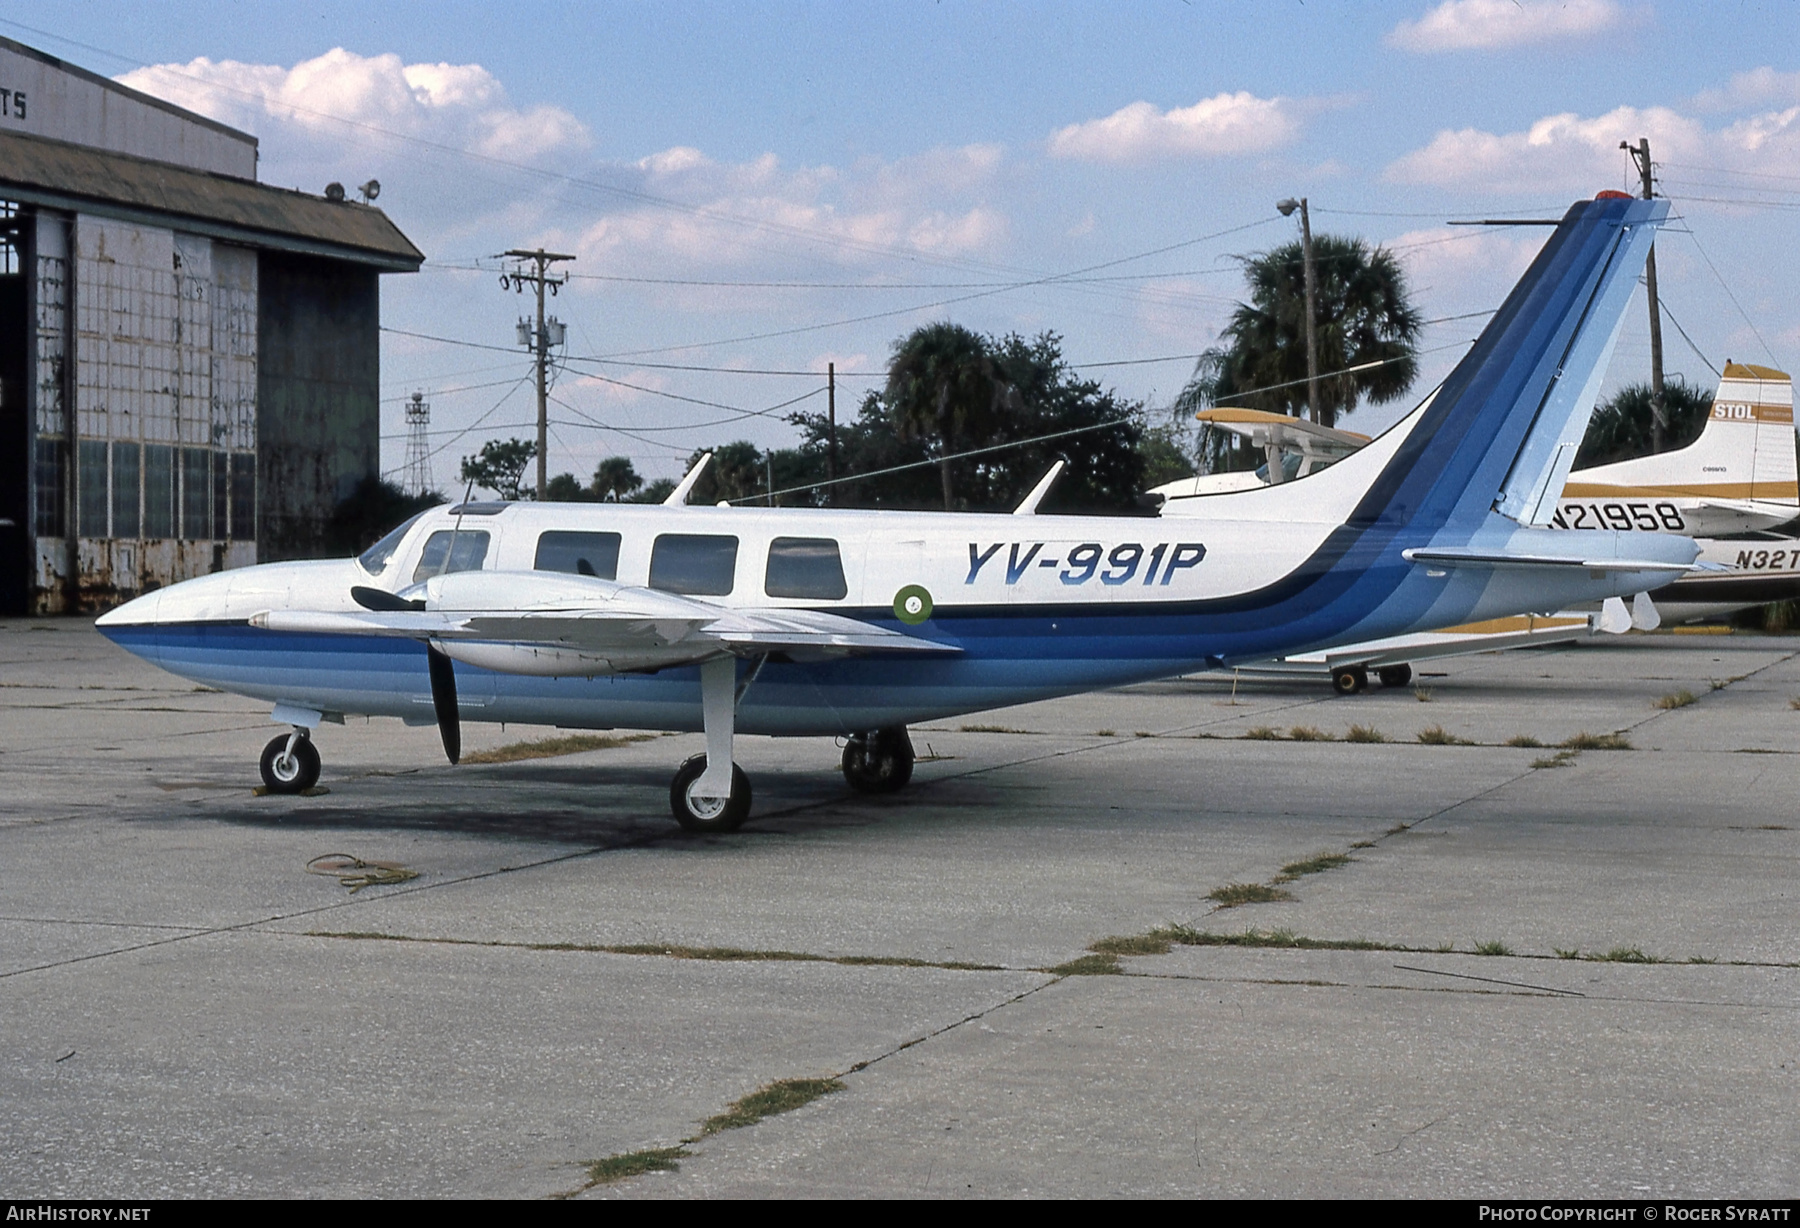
x=855 y=624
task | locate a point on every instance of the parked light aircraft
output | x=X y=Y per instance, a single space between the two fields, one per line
x=857 y=623
x=1745 y=448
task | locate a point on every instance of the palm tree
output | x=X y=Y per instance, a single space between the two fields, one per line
x=1364 y=317
x=615 y=478
x=943 y=386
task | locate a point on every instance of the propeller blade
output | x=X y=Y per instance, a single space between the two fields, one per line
x=443 y=699
x=381 y=600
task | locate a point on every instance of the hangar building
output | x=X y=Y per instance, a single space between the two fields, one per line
x=189 y=359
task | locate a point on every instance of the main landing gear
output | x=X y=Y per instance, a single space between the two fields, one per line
x=1350 y=679
x=879 y=762
x=290 y=763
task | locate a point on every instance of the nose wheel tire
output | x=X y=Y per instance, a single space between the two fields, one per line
x=1395 y=675
x=879 y=762
x=1349 y=679
x=285 y=771
x=708 y=815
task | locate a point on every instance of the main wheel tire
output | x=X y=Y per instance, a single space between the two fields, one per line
x=1349 y=679
x=1395 y=675
x=879 y=762
x=708 y=815
x=283 y=772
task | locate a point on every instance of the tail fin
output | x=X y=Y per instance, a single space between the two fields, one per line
x=1501 y=432
x=1745 y=451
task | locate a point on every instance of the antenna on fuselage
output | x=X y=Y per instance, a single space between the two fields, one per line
x=450 y=550
x=1030 y=504
x=678 y=496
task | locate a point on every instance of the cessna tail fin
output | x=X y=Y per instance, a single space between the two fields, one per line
x=1745 y=451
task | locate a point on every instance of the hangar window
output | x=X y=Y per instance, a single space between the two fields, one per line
x=196 y=494
x=581 y=554
x=125 y=458
x=159 y=490
x=467 y=554
x=805 y=567
x=693 y=563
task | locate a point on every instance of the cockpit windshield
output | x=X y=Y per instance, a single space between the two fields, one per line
x=375 y=559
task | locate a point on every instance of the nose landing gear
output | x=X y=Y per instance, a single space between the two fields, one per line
x=290 y=763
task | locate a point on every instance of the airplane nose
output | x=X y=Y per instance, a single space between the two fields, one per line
x=139 y=612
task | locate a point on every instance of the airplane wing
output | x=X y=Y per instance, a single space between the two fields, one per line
x=533 y=624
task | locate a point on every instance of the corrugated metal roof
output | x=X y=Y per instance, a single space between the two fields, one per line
x=76 y=177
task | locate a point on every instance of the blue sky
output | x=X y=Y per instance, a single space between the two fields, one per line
x=863 y=157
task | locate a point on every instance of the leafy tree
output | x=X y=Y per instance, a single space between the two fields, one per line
x=1621 y=426
x=500 y=466
x=567 y=488
x=374 y=507
x=1038 y=395
x=1363 y=316
x=615 y=478
x=654 y=492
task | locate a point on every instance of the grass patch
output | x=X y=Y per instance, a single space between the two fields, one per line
x=781 y=1096
x=1523 y=741
x=1365 y=733
x=1313 y=865
x=1307 y=733
x=1674 y=699
x=1571 y=953
x=630 y=1164
x=1492 y=947
x=1263 y=733
x=1143 y=733
x=1597 y=741
x=1626 y=955
x=675 y=951
x=1281 y=939
x=551 y=748
x=990 y=729
x=1105 y=733
x=1795 y=704
x=1562 y=758
x=1233 y=894
x=1097 y=964
x=1422 y=694
x=1156 y=942
x=1437 y=735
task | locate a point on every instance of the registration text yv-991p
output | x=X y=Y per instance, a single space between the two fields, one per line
x=857 y=623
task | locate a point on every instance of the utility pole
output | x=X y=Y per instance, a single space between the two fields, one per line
x=1659 y=414
x=831 y=439
x=1287 y=208
x=533 y=268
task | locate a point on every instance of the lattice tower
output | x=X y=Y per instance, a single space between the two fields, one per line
x=418 y=448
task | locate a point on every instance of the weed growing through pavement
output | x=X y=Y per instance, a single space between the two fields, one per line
x=990 y=729
x=1263 y=733
x=1675 y=699
x=1492 y=947
x=1312 y=865
x=552 y=748
x=1437 y=735
x=1422 y=694
x=781 y=1096
x=635 y=1163
x=1365 y=733
x=1524 y=740
x=1562 y=758
x=1597 y=741
x=1231 y=895
x=1308 y=733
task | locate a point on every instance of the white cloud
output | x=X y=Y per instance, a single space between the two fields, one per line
x=1475 y=25
x=1221 y=125
x=1569 y=153
x=1757 y=87
x=463 y=105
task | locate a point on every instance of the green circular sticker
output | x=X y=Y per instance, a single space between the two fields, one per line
x=912 y=604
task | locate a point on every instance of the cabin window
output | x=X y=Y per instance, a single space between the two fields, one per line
x=470 y=549
x=692 y=563
x=581 y=554
x=375 y=559
x=805 y=567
